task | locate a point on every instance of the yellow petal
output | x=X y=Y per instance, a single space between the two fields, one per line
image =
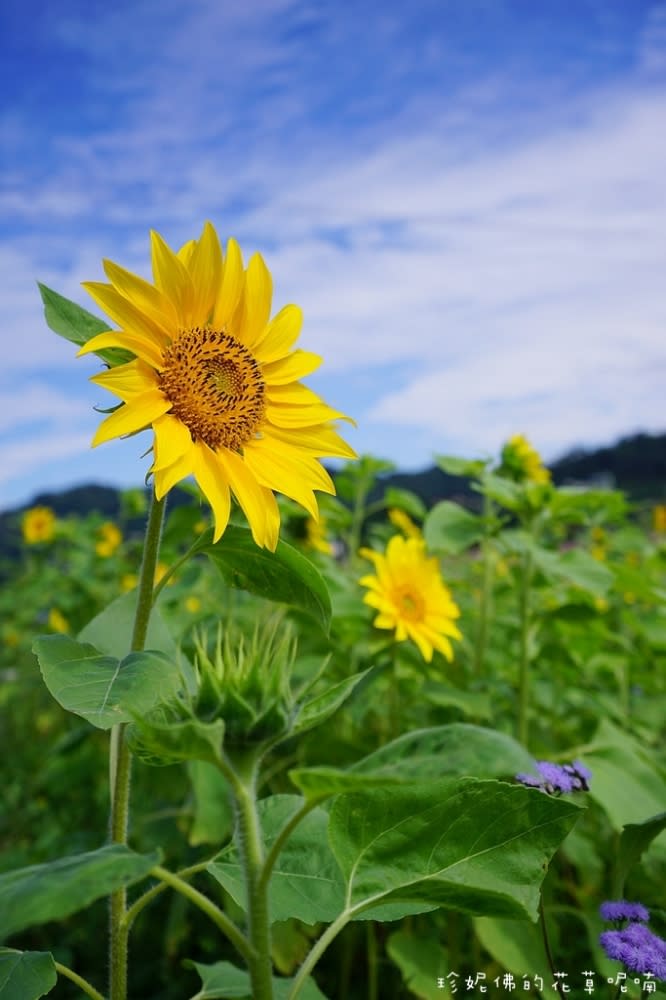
x=171 y=277
x=211 y=477
x=144 y=296
x=166 y=479
x=291 y=368
x=127 y=380
x=147 y=350
x=132 y=416
x=300 y=416
x=233 y=278
x=205 y=268
x=255 y=306
x=285 y=473
x=186 y=251
x=172 y=441
x=125 y=314
x=293 y=393
x=320 y=441
x=280 y=334
x=257 y=502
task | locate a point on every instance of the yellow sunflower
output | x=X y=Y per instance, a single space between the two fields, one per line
x=401 y=520
x=410 y=596
x=109 y=538
x=522 y=462
x=38 y=525
x=217 y=380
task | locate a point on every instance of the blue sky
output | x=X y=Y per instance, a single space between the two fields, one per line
x=467 y=198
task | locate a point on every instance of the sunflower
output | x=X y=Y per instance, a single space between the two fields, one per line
x=522 y=462
x=109 y=538
x=409 y=593
x=217 y=380
x=38 y=525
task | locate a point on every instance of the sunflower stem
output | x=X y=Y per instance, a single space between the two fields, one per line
x=251 y=851
x=486 y=599
x=120 y=760
x=524 y=675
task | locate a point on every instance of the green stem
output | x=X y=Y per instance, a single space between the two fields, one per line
x=82 y=983
x=217 y=915
x=251 y=850
x=317 y=951
x=373 y=962
x=120 y=761
x=485 y=602
x=138 y=905
x=524 y=660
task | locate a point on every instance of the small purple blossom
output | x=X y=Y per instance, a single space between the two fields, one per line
x=637 y=948
x=622 y=910
x=557 y=778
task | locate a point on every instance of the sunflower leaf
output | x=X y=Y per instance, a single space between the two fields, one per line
x=26 y=974
x=285 y=575
x=76 y=324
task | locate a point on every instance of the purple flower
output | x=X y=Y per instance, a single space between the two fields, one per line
x=556 y=778
x=622 y=910
x=637 y=948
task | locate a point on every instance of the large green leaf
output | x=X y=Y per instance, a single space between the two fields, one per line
x=478 y=846
x=26 y=975
x=285 y=575
x=224 y=981
x=76 y=324
x=450 y=528
x=320 y=783
x=625 y=782
x=306 y=881
x=455 y=749
x=575 y=568
x=101 y=689
x=213 y=817
x=54 y=890
x=159 y=739
x=634 y=841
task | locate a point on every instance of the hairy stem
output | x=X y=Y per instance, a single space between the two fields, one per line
x=120 y=761
x=82 y=983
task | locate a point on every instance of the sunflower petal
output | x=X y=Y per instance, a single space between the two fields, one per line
x=285 y=473
x=133 y=416
x=284 y=415
x=211 y=477
x=231 y=288
x=143 y=296
x=127 y=381
x=257 y=502
x=280 y=334
x=294 y=366
x=320 y=441
x=173 y=441
x=255 y=307
x=293 y=393
x=172 y=278
x=124 y=312
x=147 y=350
x=205 y=268
x=166 y=479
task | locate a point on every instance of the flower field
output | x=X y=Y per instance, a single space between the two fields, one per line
x=287 y=744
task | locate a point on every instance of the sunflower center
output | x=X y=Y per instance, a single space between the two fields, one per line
x=410 y=604
x=215 y=387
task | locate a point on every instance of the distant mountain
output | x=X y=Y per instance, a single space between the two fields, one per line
x=636 y=465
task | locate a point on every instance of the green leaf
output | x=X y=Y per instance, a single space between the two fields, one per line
x=420 y=958
x=450 y=528
x=54 y=890
x=320 y=783
x=76 y=324
x=323 y=705
x=506 y=493
x=469 y=468
x=482 y=847
x=213 y=818
x=625 y=782
x=476 y=704
x=224 y=981
x=455 y=749
x=634 y=841
x=26 y=975
x=99 y=688
x=306 y=881
x=576 y=568
x=285 y=575
x=160 y=740
x=405 y=500
x=518 y=947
